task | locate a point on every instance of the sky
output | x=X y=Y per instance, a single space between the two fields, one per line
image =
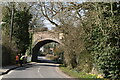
x=48 y=24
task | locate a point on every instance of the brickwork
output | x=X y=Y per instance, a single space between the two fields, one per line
x=41 y=36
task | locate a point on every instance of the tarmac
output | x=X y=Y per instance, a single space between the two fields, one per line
x=6 y=69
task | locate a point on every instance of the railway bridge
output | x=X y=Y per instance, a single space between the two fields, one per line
x=42 y=38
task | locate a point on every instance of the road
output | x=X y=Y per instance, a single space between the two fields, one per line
x=42 y=69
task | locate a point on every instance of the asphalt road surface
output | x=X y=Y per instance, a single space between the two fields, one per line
x=43 y=69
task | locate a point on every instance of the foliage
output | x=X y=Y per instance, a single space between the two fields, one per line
x=20 y=35
x=58 y=50
x=47 y=48
x=104 y=38
x=8 y=51
x=21 y=29
x=51 y=57
x=76 y=74
x=70 y=25
x=91 y=31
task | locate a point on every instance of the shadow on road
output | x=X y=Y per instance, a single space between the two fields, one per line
x=44 y=63
x=24 y=67
x=53 y=65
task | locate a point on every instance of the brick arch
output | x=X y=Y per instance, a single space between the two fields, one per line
x=41 y=39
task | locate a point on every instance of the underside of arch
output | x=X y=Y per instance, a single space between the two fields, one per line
x=38 y=46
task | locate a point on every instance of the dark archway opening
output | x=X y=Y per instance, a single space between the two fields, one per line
x=36 y=48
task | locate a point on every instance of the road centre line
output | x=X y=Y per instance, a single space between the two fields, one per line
x=40 y=73
x=38 y=69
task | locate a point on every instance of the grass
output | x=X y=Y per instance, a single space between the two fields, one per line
x=73 y=73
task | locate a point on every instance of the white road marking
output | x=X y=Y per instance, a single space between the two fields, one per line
x=1 y=77
x=10 y=72
x=40 y=73
x=38 y=69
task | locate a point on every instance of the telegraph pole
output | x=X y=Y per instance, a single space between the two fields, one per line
x=11 y=25
x=1 y=44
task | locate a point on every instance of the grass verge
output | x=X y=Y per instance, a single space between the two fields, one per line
x=75 y=74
